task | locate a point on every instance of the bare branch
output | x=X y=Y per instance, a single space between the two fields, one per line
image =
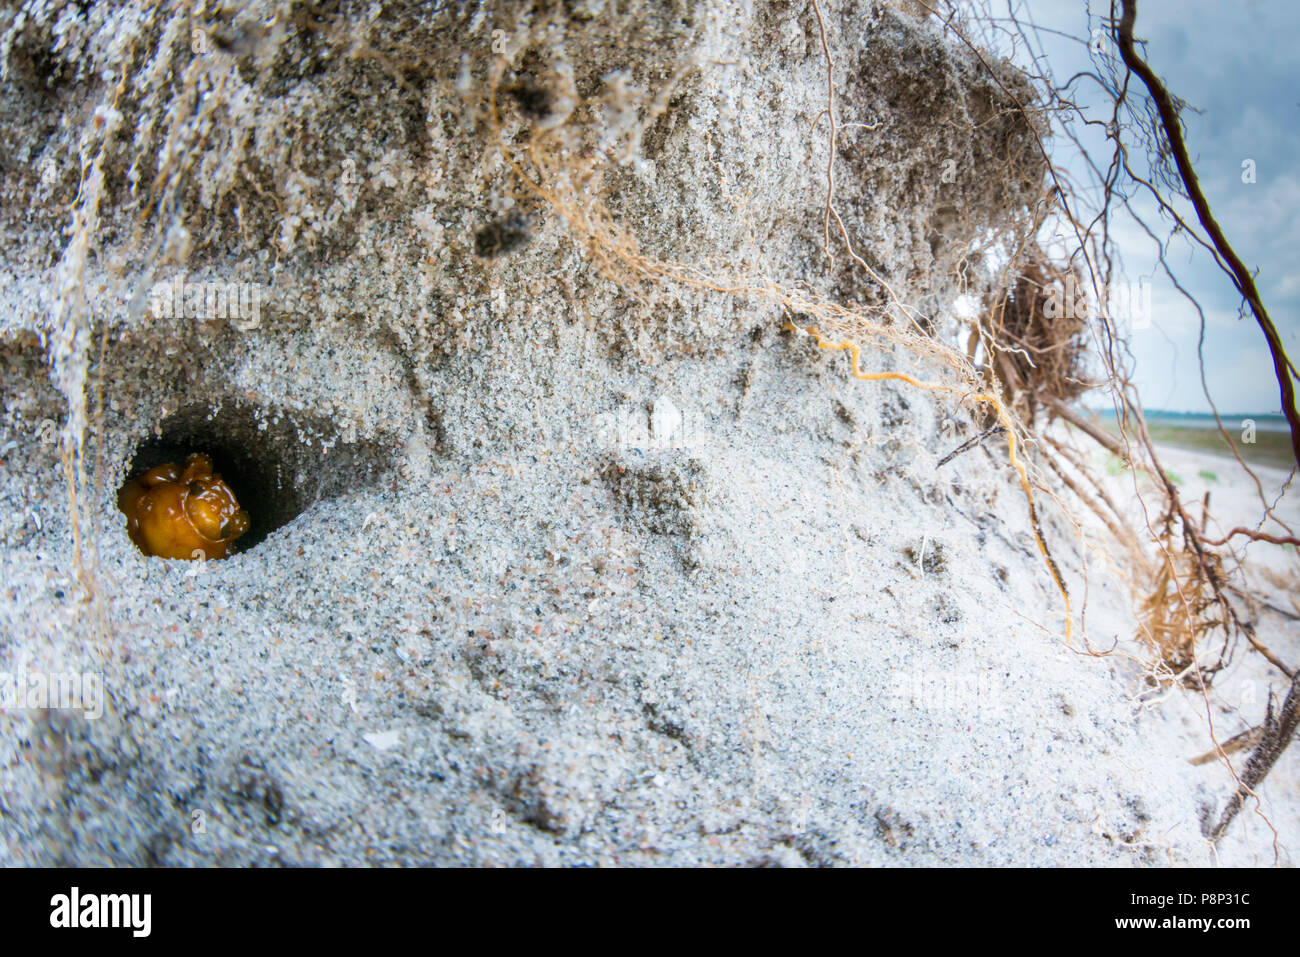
x=1241 y=276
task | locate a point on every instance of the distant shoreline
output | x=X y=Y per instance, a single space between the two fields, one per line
x=1270 y=447
x=1233 y=422
x=1197 y=431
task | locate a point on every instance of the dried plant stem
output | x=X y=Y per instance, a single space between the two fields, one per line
x=1279 y=729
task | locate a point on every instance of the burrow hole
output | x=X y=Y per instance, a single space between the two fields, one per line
x=277 y=463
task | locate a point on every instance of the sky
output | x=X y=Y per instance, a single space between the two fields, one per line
x=1237 y=65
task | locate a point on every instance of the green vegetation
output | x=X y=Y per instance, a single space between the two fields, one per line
x=1269 y=448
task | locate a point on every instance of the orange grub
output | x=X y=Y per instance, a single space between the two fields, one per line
x=182 y=513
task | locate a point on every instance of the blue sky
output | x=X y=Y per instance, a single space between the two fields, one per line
x=1235 y=63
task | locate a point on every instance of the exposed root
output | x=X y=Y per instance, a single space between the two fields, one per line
x=1004 y=419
